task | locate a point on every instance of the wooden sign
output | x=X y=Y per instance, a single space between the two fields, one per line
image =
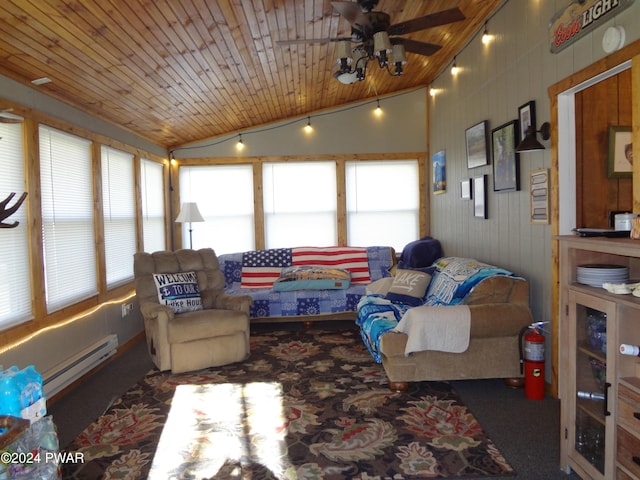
x=579 y=18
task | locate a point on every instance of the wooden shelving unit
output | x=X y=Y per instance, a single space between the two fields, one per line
x=599 y=387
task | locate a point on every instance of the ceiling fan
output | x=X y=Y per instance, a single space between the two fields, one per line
x=375 y=38
x=7 y=117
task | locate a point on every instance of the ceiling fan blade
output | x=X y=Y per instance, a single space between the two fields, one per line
x=312 y=40
x=415 y=46
x=352 y=12
x=428 y=21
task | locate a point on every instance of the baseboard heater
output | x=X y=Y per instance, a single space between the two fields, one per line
x=73 y=368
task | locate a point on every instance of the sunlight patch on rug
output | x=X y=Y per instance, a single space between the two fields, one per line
x=211 y=427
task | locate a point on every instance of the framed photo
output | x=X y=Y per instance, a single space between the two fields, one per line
x=439 y=172
x=526 y=117
x=506 y=162
x=466 y=191
x=477 y=145
x=620 y=160
x=539 y=192
x=480 y=196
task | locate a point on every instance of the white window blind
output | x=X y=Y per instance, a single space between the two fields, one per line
x=383 y=203
x=118 y=200
x=152 y=192
x=300 y=204
x=224 y=195
x=67 y=218
x=15 y=287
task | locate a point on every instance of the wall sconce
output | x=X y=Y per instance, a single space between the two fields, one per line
x=530 y=141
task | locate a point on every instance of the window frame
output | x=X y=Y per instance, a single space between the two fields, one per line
x=40 y=317
x=340 y=160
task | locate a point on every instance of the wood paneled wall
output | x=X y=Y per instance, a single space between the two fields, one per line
x=604 y=104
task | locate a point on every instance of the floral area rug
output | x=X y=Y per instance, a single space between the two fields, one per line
x=308 y=404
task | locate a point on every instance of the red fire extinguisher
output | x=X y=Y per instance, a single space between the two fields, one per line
x=532 y=361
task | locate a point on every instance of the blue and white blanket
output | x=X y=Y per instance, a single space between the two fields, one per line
x=377 y=315
x=453 y=280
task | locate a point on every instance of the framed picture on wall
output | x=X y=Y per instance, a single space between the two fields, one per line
x=477 y=145
x=439 y=176
x=620 y=160
x=526 y=117
x=506 y=164
x=480 y=196
x=466 y=191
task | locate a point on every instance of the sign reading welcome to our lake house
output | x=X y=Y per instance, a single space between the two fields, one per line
x=579 y=18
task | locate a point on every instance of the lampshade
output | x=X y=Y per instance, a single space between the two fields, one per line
x=189 y=213
x=397 y=54
x=344 y=51
x=381 y=43
x=530 y=141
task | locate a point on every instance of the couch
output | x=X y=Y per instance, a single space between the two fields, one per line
x=189 y=321
x=494 y=303
x=257 y=273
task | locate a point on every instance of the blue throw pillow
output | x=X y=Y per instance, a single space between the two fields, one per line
x=420 y=253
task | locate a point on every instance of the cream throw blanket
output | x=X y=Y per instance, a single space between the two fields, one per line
x=442 y=328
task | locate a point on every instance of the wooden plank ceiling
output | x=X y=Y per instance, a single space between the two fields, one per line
x=178 y=71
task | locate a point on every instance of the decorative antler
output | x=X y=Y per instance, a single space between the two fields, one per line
x=7 y=212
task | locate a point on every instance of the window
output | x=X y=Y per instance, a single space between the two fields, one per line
x=152 y=193
x=300 y=204
x=15 y=289
x=118 y=200
x=224 y=195
x=383 y=203
x=67 y=218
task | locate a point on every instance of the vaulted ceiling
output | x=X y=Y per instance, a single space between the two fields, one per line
x=178 y=71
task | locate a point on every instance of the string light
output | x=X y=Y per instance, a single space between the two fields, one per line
x=378 y=110
x=308 y=128
x=454 y=67
x=240 y=144
x=486 y=38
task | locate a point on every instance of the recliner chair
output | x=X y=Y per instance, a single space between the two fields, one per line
x=217 y=334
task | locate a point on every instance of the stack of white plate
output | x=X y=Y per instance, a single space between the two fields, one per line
x=596 y=274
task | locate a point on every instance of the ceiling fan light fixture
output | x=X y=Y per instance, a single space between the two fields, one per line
x=398 y=58
x=381 y=46
x=347 y=77
x=344 y=52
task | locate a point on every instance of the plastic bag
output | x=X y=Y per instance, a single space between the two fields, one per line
x=33 y=456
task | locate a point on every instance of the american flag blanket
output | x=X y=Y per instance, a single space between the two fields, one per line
x=270 y=303
x=261 y=268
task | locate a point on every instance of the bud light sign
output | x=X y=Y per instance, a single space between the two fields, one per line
x=179 y=291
